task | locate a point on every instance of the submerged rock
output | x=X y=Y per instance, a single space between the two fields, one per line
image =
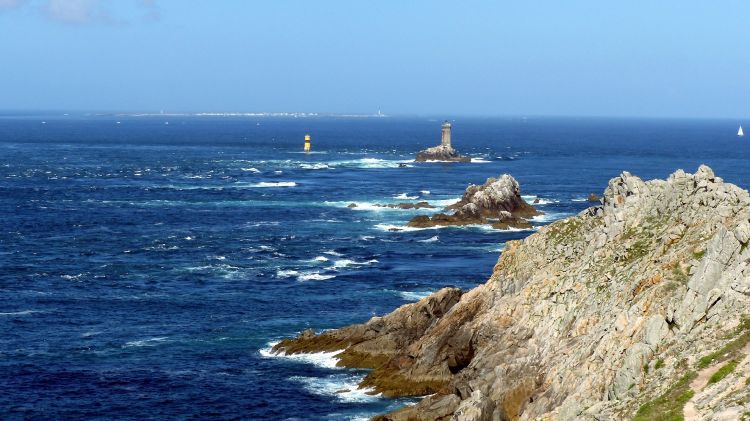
x=589 y=318
x=497 y=201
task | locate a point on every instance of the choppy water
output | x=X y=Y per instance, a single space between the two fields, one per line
x=145 y=268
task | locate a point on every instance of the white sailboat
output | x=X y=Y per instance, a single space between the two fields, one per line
x=740 y=133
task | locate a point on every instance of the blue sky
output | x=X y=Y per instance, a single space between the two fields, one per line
x=583 y=58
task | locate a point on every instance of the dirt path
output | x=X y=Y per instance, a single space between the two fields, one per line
x=690 y=412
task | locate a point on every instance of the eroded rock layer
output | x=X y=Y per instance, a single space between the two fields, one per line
x=593 y=317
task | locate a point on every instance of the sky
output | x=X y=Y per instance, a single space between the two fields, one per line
x=636 y=58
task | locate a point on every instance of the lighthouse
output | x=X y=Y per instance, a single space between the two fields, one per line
x=446 y=139
x=307 y=143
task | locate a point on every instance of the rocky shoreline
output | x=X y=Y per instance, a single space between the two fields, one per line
x=607 y=315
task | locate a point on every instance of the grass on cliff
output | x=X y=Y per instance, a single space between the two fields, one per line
x=732 y=348
x=669 y=406
x=723 y=372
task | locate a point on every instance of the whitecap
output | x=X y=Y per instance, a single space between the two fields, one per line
x=580 y=199
x=429 y=240
x=332 y=253
x=343 y=263
x=315 y=166
x=286 y=273
x=425 y=192
x=479 y=161
x=314 y=276
x=20 y=313
x=275 y=184
x=404 y=196
x=317 y=259
x=146 y=342
x=252 y=170
x=320 y=359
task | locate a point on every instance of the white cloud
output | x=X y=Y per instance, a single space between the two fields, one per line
x=10 y=4
x=85 y=12
x=75 y=11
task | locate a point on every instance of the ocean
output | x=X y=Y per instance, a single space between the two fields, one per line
x=146 y=268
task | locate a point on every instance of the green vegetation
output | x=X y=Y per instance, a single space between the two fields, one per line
x=747 y=381
x=637 y=250
x=723 y=372
x=679 y=274
x=668 y=407
x=730 y=349
x=659 y=364
x=699 y=254
x=565 y=231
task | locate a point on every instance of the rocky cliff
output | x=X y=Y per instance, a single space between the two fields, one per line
x=634 y=308
x=498 y=201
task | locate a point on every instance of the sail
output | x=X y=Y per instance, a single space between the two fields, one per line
x=740 y=132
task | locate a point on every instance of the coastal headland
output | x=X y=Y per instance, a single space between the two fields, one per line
x=614 y=313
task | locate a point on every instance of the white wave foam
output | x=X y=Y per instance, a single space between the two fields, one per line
x=414 y=295
x=547 y=217
x=252 y=170
x=536 y=200
x=370 y=163
x=315 y=166
x=320 y=359
x=366 y=206
x=403 y=228
x=444 y=202
x=332 y=253
x=425 y=192
x=479 y=161
x=580 y=199
x=343 y=263
x=20 y=313
x=314 y=276
x=432 y=239
x=404 y=196
x=342 y=387
x=146 y=342
x=317 y=259
x=275 y=184
x=286 y=273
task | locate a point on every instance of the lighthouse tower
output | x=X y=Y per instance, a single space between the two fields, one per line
x=307 y=143
x=446 y=139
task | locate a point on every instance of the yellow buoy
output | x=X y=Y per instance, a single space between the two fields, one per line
x=307 y=143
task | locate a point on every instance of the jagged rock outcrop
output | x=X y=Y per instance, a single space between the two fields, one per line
x=441 y=153
x=498 y=202
x=633 y=308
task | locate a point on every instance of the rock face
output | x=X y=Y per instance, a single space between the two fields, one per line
x=498 y=201
x=592 y=317
x=441 y=153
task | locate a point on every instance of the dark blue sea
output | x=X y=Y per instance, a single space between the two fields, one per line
x=146 y=268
